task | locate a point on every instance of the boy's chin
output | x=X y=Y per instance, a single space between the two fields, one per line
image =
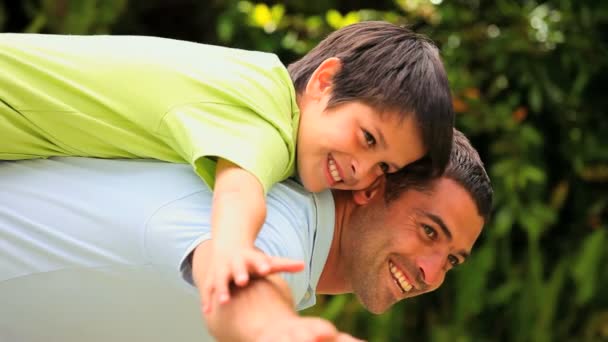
x=312 y=185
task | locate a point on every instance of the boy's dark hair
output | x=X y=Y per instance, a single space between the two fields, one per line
x=388 y=67
x=465 y=168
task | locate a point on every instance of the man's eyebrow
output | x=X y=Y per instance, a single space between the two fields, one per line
x=446 y=230
x=440 y=223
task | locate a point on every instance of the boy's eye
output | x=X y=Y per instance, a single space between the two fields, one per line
x=369 y=138
x=429 y=231
x=453 y=260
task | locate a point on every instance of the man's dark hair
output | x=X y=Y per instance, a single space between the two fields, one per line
x=389 y=68
x=464 y=167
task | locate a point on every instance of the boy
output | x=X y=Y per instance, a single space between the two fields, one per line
x=369 y=99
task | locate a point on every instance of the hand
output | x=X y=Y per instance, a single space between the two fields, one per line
x=307 y=329
x=226 y=266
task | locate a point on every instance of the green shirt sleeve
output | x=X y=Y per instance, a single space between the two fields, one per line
x=201 y=132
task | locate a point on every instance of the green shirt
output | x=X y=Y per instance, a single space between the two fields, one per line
x=147 y=97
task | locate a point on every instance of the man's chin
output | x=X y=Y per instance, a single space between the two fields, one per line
x=374 y=306
x=377 y=310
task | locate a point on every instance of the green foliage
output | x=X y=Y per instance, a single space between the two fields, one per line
x=526 y=78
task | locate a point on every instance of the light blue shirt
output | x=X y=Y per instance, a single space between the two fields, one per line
x=96 y=250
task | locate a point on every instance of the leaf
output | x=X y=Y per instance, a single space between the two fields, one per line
x=225 y=28
x=586 y=266
x=261 y=15
x=503 y=222
x=559 y=194
x=351 y=18
x=335 y=307
x=535 y=98
x=277 y=13
x=472 y=281
x=505 y=292
x=334 y=18
x=549 y=301
x=531 y=174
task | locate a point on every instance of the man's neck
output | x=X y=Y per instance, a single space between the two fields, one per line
x=333 y=280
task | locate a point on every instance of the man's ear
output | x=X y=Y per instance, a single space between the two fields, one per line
x=363 y=197
x=321 y=80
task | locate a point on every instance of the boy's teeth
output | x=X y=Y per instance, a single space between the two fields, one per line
x=400 y=278
x=333 y=170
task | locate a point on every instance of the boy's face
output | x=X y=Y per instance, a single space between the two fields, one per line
x=349 y=146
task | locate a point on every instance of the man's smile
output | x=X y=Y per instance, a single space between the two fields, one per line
x=399 y=278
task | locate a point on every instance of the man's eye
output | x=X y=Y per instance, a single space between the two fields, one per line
x=453 y=260
x=429 y=231
x=384 y=167
x=369 y=138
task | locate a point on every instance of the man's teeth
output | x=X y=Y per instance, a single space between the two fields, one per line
x=400 y=278
x=333 y=170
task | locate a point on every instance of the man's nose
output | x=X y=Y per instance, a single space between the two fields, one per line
x=431 y=267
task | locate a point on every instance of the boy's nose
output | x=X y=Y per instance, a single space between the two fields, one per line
x=364 y=171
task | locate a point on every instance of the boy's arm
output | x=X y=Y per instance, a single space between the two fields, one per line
x=238 y=213
x=239 y=206
x=260 y=311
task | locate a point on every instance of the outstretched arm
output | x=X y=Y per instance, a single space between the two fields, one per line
x=261 y=311
x=238 y=212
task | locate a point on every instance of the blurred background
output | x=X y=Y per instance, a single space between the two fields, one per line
x=527 y=79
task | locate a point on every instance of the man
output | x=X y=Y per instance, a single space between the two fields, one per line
x=90 y=251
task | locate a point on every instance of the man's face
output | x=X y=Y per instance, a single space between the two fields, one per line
x=405 y=249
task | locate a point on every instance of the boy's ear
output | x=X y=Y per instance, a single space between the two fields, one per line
x=321 y=80
x=363 y=197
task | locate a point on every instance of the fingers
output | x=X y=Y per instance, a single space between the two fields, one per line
x=216 y=284
x=206 y=291
x=221 y=284
x=257 y=262
x=285 y=265
x=239 y=267
x=224 y=268
x=342 y=337
x=240 y=273
x=317 y=330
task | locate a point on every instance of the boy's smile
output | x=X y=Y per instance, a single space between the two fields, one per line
x=350 y=145
x=334 y=174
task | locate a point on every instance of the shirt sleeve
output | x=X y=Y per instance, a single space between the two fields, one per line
x=200 y=132
x=176 y=229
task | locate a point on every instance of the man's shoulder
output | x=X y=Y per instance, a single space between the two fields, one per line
x=291 y=195
x=303 y=223
x=299 y=217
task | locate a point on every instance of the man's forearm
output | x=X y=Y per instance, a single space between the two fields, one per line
x=252 y=310
x=261 y=311
x=251 y=307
